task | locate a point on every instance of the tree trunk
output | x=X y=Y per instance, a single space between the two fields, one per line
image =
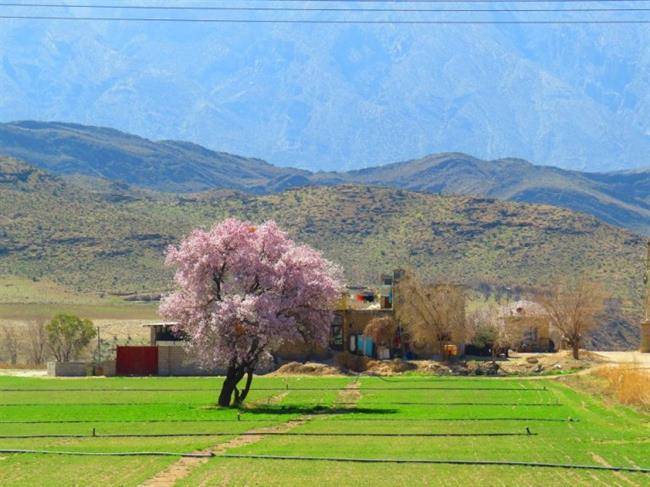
x=233 y=376
x=247 y=387
x=575 y=350
x=494 y=354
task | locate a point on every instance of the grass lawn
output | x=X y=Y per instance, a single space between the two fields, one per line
x=486 y=419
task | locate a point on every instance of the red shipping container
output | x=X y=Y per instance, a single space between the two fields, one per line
x=136 y=360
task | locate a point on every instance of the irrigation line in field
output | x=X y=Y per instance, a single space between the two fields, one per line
x=332 y=459
x=272 y=433
x=146 y=421
x=100 y=404
x=113 y=390
x=436 y=462
x=108 y=404
x=551 y=420
x=96 y=421
x=111 y=454
x=469 y=389
x=543 y=404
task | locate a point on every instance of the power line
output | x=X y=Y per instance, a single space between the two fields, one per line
x=438 y=1
x=450 y=1
x=348 y=2
x=318 y=21
x=320 y=9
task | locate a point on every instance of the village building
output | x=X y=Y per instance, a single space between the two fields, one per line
x=165 y=355
x=362 y=304
x=358 y=307
x=529 y=327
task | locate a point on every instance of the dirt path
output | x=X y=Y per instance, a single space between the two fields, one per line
x=641 y=360
x=600 y=460
x=349 y=396
x=24 y=372
x=181 y=468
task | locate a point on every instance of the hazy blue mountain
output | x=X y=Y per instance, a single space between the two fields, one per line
x=106 y=153
x=95 y=154
x=620 y=198
x=338 y=97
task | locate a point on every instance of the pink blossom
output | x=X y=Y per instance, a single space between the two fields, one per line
x=245 y=290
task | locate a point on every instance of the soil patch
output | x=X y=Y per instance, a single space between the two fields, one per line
x=349 y=396
x=389 y=367
x=308 y=368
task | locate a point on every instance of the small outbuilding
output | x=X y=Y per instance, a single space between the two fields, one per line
x=166 y=355
x=531 y=326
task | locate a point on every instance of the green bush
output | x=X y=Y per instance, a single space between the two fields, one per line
x=68 y=335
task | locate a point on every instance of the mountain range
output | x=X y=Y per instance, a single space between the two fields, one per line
x=341 y=97
x=95 y=154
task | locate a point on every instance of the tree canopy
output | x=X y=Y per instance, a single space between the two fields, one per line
x=243 y=291
x=68 y=335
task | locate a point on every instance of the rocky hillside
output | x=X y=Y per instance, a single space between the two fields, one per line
x=114 y=240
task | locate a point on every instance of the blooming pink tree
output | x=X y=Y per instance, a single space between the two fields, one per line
x=243 y=291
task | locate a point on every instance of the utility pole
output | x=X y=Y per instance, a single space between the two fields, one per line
x=99 y=347
x=645 y=325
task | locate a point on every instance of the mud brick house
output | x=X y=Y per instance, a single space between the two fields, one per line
x=532 y=328
x=360 y=305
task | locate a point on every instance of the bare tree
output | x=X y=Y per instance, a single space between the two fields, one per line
x=486 y=327
x=10 y=343
x=381 y=330
x=433 y=314
x=37 y=342
x=572 y=307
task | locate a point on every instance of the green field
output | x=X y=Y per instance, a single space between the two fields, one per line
x=519 y=420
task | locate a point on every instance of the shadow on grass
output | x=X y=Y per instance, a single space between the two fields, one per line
x=315 y=409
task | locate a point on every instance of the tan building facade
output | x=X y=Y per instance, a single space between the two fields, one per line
x=645 y=325
x=530 y=329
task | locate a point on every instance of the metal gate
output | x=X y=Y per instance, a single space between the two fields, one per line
x=136 y=360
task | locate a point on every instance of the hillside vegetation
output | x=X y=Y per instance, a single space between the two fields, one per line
x=113 y=241
x=622 y=199
x=92 y=155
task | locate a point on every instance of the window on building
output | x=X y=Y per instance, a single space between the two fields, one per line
x=336 y=333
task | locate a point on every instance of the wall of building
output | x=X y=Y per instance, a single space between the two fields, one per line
x=356 y=320
x=108 y=368
x=301 y=352
x=645 y=337
x=173 y=359
x=525 y=326
x=68 y=369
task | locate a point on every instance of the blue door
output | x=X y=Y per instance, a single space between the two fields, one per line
x=369 y=347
